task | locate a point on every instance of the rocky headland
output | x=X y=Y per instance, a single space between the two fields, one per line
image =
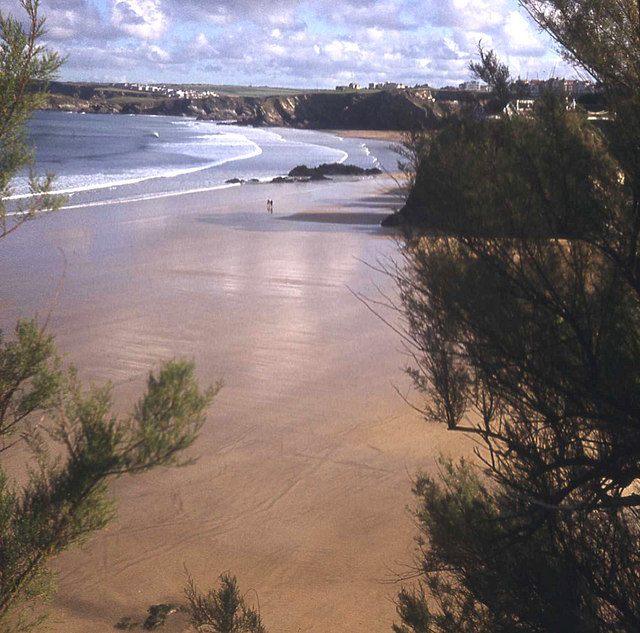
x=401 y=110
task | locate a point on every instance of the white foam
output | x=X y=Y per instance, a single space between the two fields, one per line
x=256 y=151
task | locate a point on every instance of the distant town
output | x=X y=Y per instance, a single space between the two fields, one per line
x=387 y=85
x=527 y=87
x=386 y=105
x=172 y=93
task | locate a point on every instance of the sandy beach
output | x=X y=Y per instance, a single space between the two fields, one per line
x=304 y=468
x=393 y=136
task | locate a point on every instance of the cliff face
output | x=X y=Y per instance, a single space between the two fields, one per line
x=373 y=111
x=398 y=110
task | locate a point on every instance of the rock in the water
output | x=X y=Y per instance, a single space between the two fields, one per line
x=332 y=169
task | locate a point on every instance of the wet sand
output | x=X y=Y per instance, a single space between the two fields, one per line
x=304 y=467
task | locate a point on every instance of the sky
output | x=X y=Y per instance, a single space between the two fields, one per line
x=291 y=43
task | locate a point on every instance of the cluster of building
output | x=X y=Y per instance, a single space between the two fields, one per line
x=174 y=93
x=473 y=86
x=387 y=85
x=536 y=87
x=528 y=87
x=566 y=87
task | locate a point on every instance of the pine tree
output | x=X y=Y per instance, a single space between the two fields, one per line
x=521 y=296
x=222 y=609
x=25 y=69
x=73 y=444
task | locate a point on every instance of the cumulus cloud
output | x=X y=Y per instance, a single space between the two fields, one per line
x=374 y=34
x=82 y=23
x=226 y=12
x=301 y=43
x=381 y=14
x=11 y=6
x=201 y=46
x=155 y=54
x=466 y=14
x=66 y=20
x=144 y=19
x=520 y=38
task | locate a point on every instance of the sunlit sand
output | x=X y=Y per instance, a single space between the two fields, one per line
x=304 y=468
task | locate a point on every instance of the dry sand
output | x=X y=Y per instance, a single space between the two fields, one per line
x=393 y=136
x=304 y=467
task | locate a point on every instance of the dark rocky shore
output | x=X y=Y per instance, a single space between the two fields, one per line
x=302 y=173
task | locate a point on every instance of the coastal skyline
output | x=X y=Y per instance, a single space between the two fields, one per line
x=291 y=43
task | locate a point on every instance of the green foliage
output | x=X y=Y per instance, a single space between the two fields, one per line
x=600 y=36
x=521 y=298
x=77 y=446
x=30 y=376
x=25 y=68
x=222 y=609
x=603 y=38
x=481 y=580
x=537 y=336
x=65 y=499
x=549 y=175
x=494 y=73
x=411 y=152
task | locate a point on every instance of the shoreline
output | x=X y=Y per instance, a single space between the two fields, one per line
x=394 y=136
x=147 y=180
x=304 y=465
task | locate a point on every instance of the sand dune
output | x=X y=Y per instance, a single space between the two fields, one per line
x=304 y=467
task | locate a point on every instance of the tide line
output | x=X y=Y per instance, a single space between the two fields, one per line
x=155 y=196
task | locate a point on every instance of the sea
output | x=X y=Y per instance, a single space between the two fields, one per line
x=106 y=159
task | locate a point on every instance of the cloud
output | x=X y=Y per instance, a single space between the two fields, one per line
x=84 y=23
x=520 y=38
x=381 y=14
x=201 y=45
x=66 y=20
x=299 y=43
x=374 y=34
x=155 y=54
x=143 y=19
x=227 y=12
x=466 y=14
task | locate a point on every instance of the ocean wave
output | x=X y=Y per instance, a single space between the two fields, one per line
x=344 y=157
x=175 y=161
x=120 y=180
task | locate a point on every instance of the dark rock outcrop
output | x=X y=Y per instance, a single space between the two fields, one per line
x=332 y=169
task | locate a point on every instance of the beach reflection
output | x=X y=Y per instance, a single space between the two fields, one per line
x=303 y=463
